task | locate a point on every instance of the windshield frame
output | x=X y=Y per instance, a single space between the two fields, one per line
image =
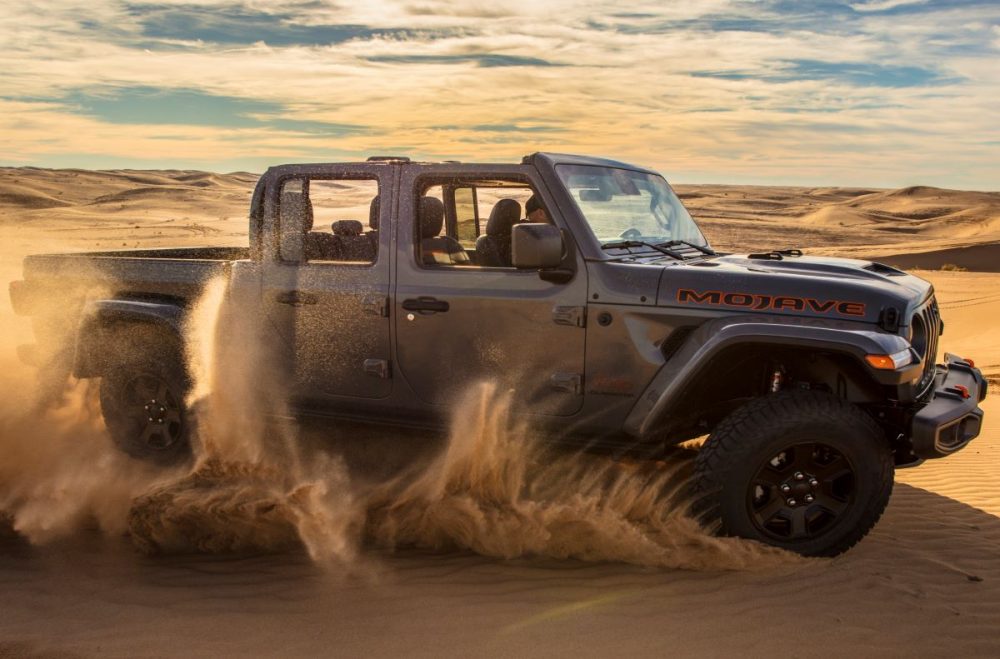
x=691 y=230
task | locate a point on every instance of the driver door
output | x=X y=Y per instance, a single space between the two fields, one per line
x=461 y=324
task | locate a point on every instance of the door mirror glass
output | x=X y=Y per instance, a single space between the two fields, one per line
x=536 y=246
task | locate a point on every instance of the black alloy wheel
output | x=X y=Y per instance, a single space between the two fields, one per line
x=801 y=470
x=801 y=491
x=144 y=410
x=153 y=407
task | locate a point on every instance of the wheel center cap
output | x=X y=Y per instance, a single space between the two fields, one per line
x=156 y=411
x=800 y=489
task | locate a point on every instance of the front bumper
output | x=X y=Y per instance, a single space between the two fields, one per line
x=950 y=417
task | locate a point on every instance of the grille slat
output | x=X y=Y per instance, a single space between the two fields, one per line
x=930 y=319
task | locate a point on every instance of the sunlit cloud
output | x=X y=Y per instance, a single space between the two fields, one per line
x=869 y=93
x=883 y=5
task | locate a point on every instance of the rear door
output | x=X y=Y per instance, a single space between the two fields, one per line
x=458 y=324
x=326 y=284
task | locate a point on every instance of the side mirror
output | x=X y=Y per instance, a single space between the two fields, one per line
x=536 y=246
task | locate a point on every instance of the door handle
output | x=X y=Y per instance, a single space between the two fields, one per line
x=426 y=305
x=377 y=367
x=297 y=298
x=570 y=383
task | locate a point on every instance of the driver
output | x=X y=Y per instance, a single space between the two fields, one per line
x=535 y=212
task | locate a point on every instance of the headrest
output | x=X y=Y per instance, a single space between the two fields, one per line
x=296 y=209
x=347 y=228
x=505 y=214
x=431 y=217
x=373 y=212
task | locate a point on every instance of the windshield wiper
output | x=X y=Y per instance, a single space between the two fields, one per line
x=625 y=244
x=700 y=248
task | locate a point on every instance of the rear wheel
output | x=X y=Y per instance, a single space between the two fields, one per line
x=143 y=402
x=800 y=470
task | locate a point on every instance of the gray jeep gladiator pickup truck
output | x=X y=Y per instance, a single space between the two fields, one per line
x=389 y=286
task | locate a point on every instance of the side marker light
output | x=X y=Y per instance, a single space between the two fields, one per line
x=890 y=362
x=882 y=362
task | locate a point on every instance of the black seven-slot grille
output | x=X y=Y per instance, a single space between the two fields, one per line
x=925 y=326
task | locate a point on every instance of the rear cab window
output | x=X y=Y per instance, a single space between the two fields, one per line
x=324 y=219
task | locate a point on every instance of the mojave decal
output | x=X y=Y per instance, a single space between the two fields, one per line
x=759 y=302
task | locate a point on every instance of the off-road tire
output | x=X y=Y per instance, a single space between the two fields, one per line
x=147 y=380
x=767 y=441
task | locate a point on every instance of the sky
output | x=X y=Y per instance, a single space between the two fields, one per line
x=880 y=93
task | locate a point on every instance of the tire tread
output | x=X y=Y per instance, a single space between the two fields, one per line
x=732 y=442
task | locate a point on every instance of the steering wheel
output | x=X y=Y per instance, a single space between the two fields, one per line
x=631 y=233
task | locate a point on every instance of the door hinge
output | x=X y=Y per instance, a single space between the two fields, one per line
x=377 y=305
x=378 y=368
x=571 y=383
x=572 y=316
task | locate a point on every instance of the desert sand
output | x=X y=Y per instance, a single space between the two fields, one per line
x=926 y=582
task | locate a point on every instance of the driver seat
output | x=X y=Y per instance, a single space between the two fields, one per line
x=493 y=247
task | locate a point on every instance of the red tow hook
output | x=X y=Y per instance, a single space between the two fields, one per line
x=961 y=390
x=969 y=362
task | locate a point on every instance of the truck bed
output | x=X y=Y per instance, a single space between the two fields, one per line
x=178 y=273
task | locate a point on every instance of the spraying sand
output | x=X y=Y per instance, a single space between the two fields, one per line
x=492 y=488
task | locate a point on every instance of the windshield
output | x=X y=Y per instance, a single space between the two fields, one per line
x=621 y=204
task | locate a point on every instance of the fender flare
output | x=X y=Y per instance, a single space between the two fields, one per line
x=93 y=347
x=714 y=336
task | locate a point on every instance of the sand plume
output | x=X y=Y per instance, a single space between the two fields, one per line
x=250 y=489
x=59 y=470
x=492 y=489
x=495 y=490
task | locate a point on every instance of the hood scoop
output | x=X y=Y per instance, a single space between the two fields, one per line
x=782 y=263
x=775 y=255
x=883 y=269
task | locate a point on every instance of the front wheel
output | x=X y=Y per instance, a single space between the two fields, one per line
x=800 y=470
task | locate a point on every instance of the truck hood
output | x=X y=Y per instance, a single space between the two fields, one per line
x=812 y=286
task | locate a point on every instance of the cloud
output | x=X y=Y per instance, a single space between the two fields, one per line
x=487 y=60
x=888 y=5
x=722 y=89
x=883 y=5
x=148 y=105
x=244 y=25
x=190 y=107
x=863 y=74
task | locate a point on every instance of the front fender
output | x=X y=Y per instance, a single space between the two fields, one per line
x=101 y=318
x=712 y=337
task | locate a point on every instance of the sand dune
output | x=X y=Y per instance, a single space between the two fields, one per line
x=976 y=258
x=926 y=582
x=916 y=226
x=78 y=210
x=970 y=306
